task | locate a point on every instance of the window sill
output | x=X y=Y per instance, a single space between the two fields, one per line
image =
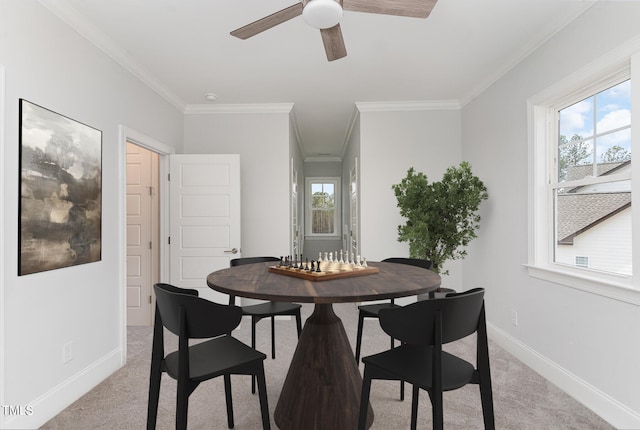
x=614 y=287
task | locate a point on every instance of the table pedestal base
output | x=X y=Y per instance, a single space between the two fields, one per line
x=323 y=385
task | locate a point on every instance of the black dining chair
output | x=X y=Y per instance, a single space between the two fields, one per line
x=186 y=315
x=423 y=327
x=372 y=311
x=266 y=310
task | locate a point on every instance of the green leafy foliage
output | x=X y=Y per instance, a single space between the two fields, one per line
x=441 y=216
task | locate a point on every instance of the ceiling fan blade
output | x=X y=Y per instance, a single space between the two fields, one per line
x=333 y=43
x=412 y=8
x=268 y=22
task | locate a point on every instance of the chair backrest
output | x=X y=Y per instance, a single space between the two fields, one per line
x=173 y=289
x=457 y=314
x=418 y=262
x=203 y=319
x=251 y=260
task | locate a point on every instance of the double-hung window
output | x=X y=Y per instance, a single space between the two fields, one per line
x=591 y=187
x=323 y=206
x=581 y=222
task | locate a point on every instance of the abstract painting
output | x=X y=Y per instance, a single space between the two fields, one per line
x=60 y=191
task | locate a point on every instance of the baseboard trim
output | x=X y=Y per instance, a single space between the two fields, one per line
x=611 y=410
x=64 y=394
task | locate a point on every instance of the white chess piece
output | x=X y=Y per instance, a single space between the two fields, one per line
x=341 y=257
x=364 y=262
x=319 y=257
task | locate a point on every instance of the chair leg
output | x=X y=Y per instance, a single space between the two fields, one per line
x=262 y=394
x=484 y=374
x=182 y=406
x=254 y=320
x=364 y=400
x=298 y=323
x=436 y=404
x=359 y=336
x=414 y=407
x=154 y=396
x=229 y=399
x=393 y=345
x=486 y=398
x=273 y=337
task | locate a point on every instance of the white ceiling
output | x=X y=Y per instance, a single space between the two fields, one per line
x=182 y=49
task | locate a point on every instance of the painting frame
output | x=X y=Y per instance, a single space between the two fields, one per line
x=60 y=204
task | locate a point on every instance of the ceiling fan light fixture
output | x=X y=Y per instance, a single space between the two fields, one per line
x=322 y=14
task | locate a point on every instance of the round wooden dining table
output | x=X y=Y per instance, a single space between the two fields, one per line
x=323 y=385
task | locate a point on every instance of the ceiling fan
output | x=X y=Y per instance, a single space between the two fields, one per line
x=325 y=15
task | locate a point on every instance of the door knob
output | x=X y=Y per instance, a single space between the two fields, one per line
x=232 y=251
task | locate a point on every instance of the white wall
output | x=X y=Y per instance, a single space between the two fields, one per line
x=426 y=137
x=48 y=63
x=262 y=140
x=586 y=343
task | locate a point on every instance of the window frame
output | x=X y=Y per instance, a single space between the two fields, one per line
x=542 y=112
x=309 y=181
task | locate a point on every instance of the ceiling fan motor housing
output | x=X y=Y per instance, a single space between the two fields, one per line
x=322 y=14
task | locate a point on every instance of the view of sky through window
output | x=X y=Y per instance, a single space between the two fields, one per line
x=604 y=118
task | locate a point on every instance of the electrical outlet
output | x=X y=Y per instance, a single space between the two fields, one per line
x=67 y=352
x=514 y=318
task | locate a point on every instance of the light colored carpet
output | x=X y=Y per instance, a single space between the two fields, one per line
x=522 y=399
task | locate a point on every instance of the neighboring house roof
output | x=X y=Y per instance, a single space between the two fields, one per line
x=577 y=213
x=584 y=170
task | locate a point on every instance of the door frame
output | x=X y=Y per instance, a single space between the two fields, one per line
x=164 y=151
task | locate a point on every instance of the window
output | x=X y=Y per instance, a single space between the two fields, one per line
x=580 y=229
x=582 y=261
x=323 y=206
x=592 y=190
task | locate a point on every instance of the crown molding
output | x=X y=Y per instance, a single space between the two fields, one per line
x=239 y=108
x=408 y=106
x=68 y=14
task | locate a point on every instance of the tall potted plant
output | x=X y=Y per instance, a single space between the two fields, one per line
x=441 y=216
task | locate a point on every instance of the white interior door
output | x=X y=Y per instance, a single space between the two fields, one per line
x=142 y=232
x=204 y=219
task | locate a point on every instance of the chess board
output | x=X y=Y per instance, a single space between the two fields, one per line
x=329 y=271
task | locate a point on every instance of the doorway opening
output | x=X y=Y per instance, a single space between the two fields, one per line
x=142 y=232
